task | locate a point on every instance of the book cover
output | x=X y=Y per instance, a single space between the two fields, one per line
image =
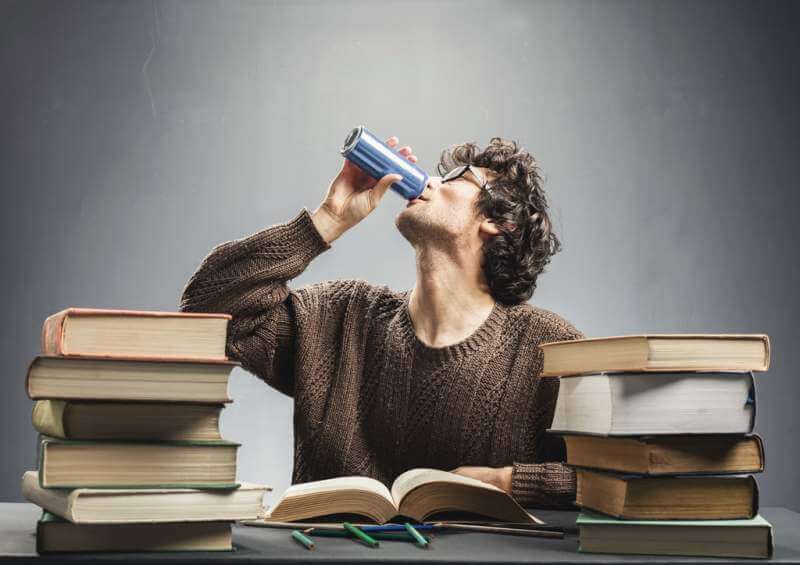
x=55 y=342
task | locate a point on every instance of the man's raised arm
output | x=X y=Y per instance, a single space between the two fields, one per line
x=248 y=277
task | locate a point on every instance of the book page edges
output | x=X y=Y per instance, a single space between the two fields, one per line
x=764 y=338
x=626 y=479
x=587 y=517
x=637 y=364
x=653 y=439
x=31 y=478
x=206 y=361
x=52 y=337
x=345 y=504
x=490 y=490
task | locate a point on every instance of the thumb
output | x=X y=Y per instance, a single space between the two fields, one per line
x=383 y=185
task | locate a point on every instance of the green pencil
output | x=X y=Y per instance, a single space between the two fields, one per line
x=360 y=535
x=420 y=539
x=307 y=543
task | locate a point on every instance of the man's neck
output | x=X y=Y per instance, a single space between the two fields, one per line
x=450 y=299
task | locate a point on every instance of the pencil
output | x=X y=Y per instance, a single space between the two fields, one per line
x=419 y=538
x=508 y=531
x=306 y=542
x=360 y=535
x=517 y=525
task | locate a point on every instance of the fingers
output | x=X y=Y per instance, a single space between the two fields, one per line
x=404 y=151
x=377 y=192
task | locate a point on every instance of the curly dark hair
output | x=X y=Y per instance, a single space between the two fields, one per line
x=513 y=259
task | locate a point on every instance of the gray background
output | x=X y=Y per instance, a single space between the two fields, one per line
x=135 y=136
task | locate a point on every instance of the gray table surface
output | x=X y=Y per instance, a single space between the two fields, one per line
x=270 y=546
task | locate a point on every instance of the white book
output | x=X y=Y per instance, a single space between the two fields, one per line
x=129 y=506
x=656 y=403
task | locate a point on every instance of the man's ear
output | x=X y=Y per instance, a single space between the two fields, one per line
x=488 y=227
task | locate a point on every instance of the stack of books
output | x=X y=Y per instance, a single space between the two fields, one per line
x=660 y=431
x=130 y=455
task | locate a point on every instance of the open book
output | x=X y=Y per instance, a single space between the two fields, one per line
x=417 y=494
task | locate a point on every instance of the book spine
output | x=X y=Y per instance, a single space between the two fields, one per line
x=56 y=502
x=40 y=548
x=751 y=399
x=49 y=418
x=40 y=461
x=761 y=452
x=767 y=353
x=28 y=379
x=53 y=334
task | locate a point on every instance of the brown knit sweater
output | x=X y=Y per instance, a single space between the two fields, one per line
x=369 y=397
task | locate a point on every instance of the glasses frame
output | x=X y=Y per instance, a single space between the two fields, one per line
x=461 y=170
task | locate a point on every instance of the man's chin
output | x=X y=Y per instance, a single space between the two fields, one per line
x=410 y=224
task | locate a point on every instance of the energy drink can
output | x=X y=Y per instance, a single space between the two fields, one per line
x=377 y=159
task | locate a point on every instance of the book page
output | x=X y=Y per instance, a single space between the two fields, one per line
x=340 y=483
x=410 y=480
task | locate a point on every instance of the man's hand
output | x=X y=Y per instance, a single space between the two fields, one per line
x=353 y=195
x=497 y=476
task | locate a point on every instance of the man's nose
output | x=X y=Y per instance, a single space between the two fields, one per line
x=433 y=183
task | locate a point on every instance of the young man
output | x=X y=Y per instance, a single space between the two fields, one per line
x=445 y=375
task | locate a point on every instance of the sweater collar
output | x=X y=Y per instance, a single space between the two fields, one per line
x=485 y=334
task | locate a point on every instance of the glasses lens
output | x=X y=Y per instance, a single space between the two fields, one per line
x=455 y=173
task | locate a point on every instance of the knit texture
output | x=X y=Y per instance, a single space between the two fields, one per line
x=369 y=397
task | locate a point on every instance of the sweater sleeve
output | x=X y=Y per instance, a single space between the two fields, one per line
x=247 y=279
x=546 y=482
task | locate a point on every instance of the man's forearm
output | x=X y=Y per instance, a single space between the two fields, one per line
x=238 y=275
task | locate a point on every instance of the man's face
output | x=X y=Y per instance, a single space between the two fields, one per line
x=445 y=212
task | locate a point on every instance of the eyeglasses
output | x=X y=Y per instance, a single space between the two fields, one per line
x=459 y=172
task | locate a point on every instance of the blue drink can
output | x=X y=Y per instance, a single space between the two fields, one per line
x=377 y=159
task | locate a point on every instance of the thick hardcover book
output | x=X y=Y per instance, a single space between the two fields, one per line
x=95 y=378
x=137 y=464
x=135 y=334
x=667 y=455
x=56 y=535
x=417 y=494
x=657 y=352
x=712 y=538
x=146 y=421
x=637 y=497
x=656 y=404
x=131 y=506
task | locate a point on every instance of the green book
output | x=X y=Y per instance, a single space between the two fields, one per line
x=137 y=464
x=56 y=535
x=713 y=538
